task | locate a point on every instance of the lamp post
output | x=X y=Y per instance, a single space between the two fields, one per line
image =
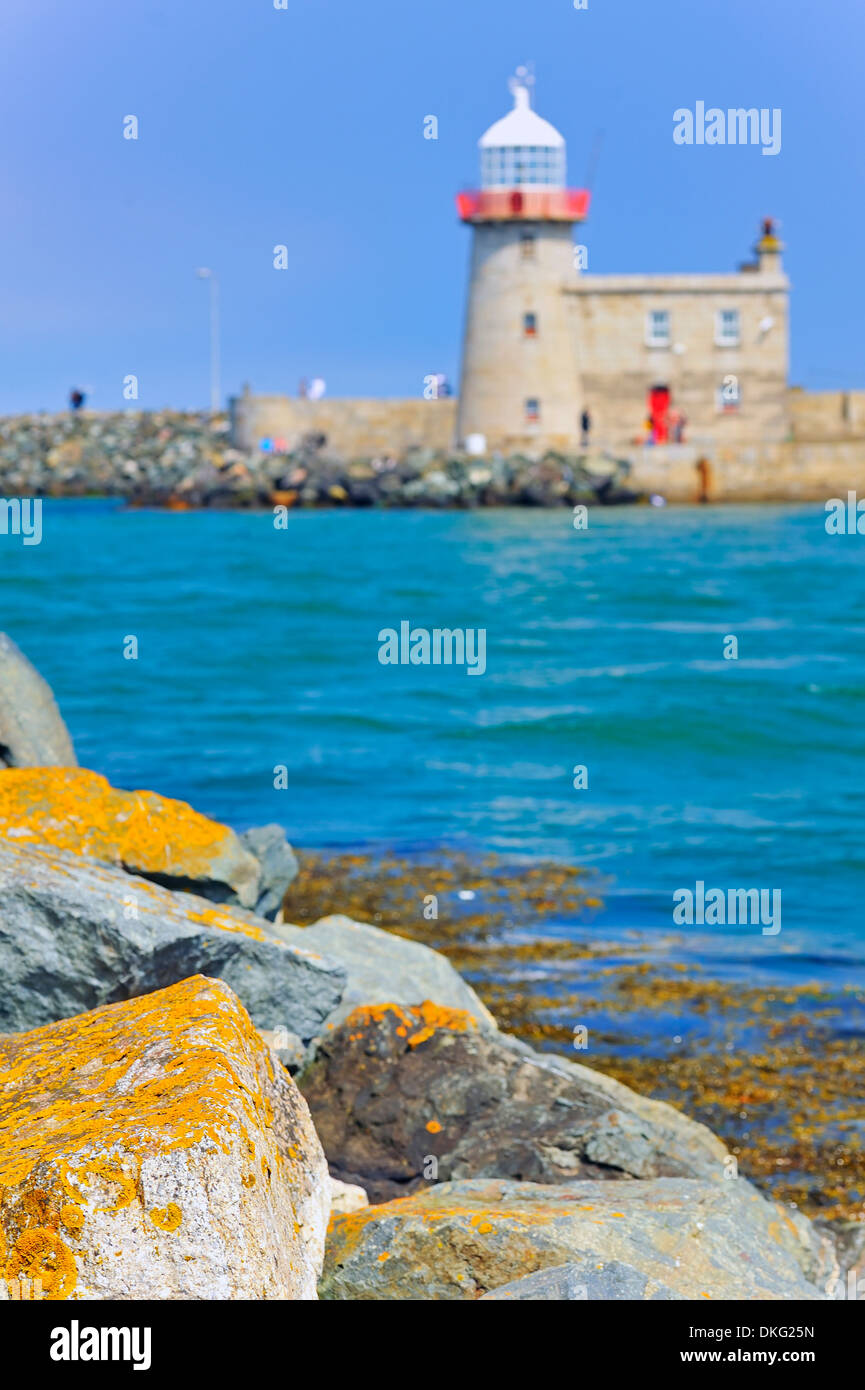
x=205 y=274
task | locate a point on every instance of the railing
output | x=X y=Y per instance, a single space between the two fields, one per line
x=524 y=205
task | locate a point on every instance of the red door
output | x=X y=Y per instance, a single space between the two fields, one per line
x=659 y=413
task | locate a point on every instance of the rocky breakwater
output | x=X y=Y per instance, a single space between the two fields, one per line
x=153 y=1145
x=177 y=460
x=122 y=454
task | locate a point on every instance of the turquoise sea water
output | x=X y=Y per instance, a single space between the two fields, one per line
x=258 y=648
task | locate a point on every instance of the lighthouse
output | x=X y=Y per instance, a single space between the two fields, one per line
x=520 y=386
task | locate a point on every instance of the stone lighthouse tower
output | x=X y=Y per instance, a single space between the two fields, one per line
x=520 y=386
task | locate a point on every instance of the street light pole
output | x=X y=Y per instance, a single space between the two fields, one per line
x=215 y=393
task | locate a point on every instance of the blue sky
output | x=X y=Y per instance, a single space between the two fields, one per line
x=305 y=127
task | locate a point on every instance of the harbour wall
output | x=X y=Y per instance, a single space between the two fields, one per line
x=824 y=457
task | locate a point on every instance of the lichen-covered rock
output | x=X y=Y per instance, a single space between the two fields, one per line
x=603 y=1281
x=277 y=865
x=75 y=934
x=161 y=839
x=400 y=1094
x=32 y=732
x=457 y=1240
x=384 y=968
x=153 y=1150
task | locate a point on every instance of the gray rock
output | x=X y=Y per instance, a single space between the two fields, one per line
x=461 y=1240
x=289 y=1047
x=592 y=1279
x=695 y=1143
x=278 y=866
x=75 y=935
x=32 y=732
x=345 y=1198
x=384 y=968
x=393 y=1088
x=848 y=1242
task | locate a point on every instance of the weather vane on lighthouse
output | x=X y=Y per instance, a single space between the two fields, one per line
x=523 y=79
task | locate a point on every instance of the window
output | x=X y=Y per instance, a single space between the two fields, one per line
x=528 y=245
x=728 y=331
x=658 y=331
x=509 y=166
x=530 y=325
x=533 y=411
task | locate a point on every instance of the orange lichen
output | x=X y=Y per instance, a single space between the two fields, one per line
x=346 y=1229
x=80 y=1107
x=40 y=1254
x=101 y=1176
x=36 y=1204
x=226 y=920
x=433 y=1127
x=78 y=810
x=167 y=1218
x=72 y=1218
x=419 y=1021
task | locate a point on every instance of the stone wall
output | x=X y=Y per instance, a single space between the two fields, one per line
x=825 y=458
x=353 y=428
x=785 y=472
x=821 y=415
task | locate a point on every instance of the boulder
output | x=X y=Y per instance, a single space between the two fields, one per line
x=152 y=1150
x=400 y=1094
x=32 y=732
x=161 y=839
x=289 y=1047
x=346 y=1197
x=593 y=1279
x=277 y=866
x=384 y=968
x=848 y=1241
x=692 y=1239
x=74 y=935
